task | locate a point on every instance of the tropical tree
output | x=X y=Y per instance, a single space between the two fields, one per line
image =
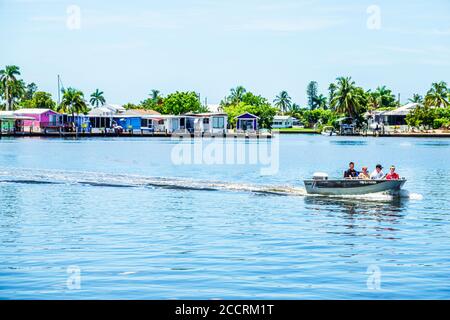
x=182 y=102
x=349 y=99
x=40 y=100
x=320 y=101
x=73 y=102
x=416 y=98
x=97 y=98
x=438 y=95
x=154 y=95
x=331 y=90
x=283 y=101
x=11 y=86
x=382 y=97
x=295 y=108
x=30 y=89
x=236 y=94
x=311 y=93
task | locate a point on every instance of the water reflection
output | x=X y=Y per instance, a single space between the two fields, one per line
x=348 y=142
x=379 y=218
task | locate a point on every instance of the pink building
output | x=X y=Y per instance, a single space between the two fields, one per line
x=44 y=120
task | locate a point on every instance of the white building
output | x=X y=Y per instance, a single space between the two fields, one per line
x=283 y=122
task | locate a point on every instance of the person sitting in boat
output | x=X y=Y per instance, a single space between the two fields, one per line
x=392 y=175
x=351 y=172
x=377 y=173
x=364 y=174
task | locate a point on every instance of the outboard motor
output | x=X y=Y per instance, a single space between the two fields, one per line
x=320 y=176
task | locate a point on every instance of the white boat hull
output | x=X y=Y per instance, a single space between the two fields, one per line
x=341 y=187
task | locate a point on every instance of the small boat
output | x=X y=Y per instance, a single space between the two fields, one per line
x=320 y=184
x=328 y=131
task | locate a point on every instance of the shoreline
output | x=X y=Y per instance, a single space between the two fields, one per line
x=233 y=135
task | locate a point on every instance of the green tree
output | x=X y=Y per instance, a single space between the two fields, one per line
x=320 y=101
x=154 y=95
x=382 y=98
x=416 y=98
x=283 y=101
x=311 y=93
x=155 y=102
x=40 y=100
x=73 y=102
x=349 y=99
x=182 y=102
x=331 y=91
x=237 y=94
x=97 y=98
x=12 y=88
x=438 y=95
x=30 y=89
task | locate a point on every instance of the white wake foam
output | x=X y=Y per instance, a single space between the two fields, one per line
x=21 y=175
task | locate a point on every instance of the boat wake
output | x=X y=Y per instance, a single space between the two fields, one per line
x=97 y=179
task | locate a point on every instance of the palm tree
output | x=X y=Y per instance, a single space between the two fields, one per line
x=9 y=83
x=283 y=101
x=416 y=98
x=155 y=95
x=237 y=94
x=331 y=90
x=73 y=102
x=295 y=107
x=348 y=98
x=97 y=98
x=437 y=96
x=320 y=101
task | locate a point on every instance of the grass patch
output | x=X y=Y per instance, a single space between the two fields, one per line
x=296 y=130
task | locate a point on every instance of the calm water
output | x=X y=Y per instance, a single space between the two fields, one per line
x=139 y=226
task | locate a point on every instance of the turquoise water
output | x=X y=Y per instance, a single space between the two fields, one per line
x=136 y=225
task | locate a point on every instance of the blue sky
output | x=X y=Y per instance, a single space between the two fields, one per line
x=127 y=48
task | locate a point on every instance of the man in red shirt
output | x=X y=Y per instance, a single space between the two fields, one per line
x=392 y=175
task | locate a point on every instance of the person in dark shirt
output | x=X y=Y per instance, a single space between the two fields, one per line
x=351 y=172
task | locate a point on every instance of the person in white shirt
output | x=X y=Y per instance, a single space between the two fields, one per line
x=377 y=173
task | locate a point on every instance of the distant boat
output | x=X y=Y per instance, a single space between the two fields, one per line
x=328 y=131
x=320 y=184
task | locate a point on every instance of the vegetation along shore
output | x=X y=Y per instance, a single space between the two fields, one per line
x=345 y=105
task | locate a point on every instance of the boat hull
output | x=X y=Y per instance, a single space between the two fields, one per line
x=353 y=186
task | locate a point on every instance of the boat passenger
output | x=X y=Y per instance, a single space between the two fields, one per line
x=364 y=174
x=351 y=172
x=377 y=173
x=392 y=175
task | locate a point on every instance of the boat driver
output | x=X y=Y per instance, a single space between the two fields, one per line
x=351 y=172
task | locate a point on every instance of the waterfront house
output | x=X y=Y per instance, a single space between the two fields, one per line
x=7 y=121
x=397 y=117
x=247 y=122
x=100 y=118
x=283 y=122
x=210 y=122
x=388 y=120
x=149 y=119
x=128 y=122
x=40 y=120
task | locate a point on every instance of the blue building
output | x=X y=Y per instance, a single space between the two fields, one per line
x=128 y=123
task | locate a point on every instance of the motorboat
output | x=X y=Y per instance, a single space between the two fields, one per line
x=328 y=131
x=320 y=184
